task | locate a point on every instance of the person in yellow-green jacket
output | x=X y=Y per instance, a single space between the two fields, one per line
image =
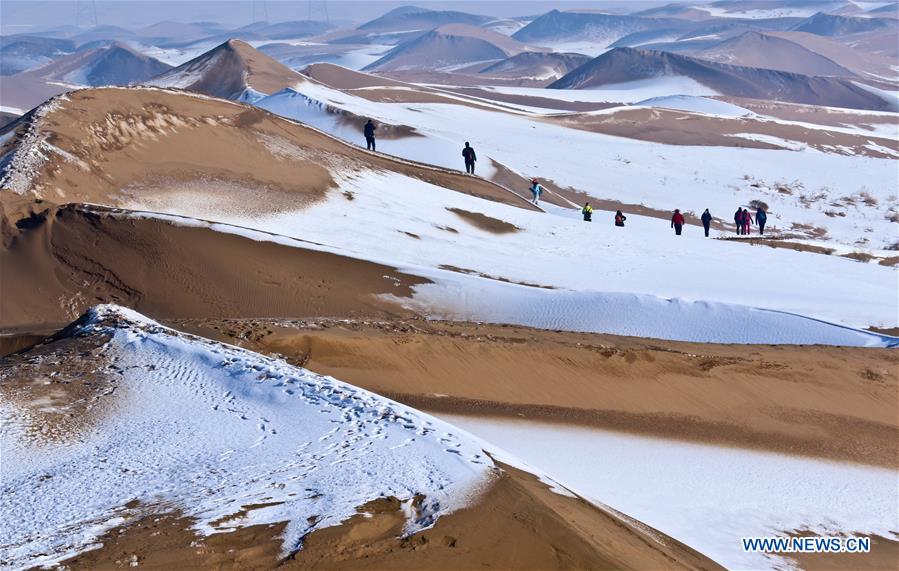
x=587 y=211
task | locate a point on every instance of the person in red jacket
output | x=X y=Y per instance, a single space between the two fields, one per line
x=677 y=222
x=747 y=221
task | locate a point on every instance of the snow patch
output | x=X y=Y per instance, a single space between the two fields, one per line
x=208 y=428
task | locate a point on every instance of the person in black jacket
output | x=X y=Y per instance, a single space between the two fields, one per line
x=369 y=131
x=738 y=220
x=706 y=221
x=761 y=217
x=619 y=218
x=470 y=158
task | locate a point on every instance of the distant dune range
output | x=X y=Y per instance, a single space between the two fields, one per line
x=622 y=65
x=448 y=46
x=113 y=64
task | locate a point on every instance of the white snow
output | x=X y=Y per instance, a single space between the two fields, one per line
x=472 y=299
x=707 y=497
x=780 y=10
x=33 y=150
x=694 y=104
x=12 y=110
x=629 y=92
x=208 y=428
x=296 y=104
x=634 y=171
x=590 y=263
x=891 y=97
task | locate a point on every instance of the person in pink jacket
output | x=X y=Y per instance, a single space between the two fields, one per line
x=747 y=221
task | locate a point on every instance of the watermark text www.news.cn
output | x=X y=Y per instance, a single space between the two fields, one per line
x=807 y=544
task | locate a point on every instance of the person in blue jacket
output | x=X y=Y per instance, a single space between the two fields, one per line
x=761 y=217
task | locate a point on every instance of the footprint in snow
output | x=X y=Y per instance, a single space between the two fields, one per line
x=404 y=443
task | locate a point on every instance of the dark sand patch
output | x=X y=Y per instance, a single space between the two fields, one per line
x=484 y=222
x=74 y=257
x=891 y=331
x=781 y=243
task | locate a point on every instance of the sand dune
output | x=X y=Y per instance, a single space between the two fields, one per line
x=232 y=70
x=517 y=524
x=113 y=64
x=124 y=146
x=814 y=401
x=449 y=46
x=623 y=65
x=60 y=261
x=754 y=49
x=537 y=65
x=415 y=18
x=674 y=127
x=436 y=501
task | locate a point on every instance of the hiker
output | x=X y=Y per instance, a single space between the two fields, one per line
x=747 y=221
x=706 y=221
x=677 y=222
x=619 y=218
x=470 y=158
x=761 y=217
x=587 y=211
x=370 y=135
x=536 y=190
x=738 y=220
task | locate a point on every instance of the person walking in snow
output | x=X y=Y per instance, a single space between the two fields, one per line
x=536 y=190
x=706 y=221
x=470 y=158
x=677 y=222
x=747 y=221
x=369 y=131
x=738 y=220
x=761 y=217
x=619 y=218
x=587 y=211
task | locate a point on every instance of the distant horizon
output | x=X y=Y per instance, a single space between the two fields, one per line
x=22 y=17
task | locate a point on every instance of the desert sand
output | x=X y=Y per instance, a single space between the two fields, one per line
x=176 y=142
x=517 y=523
x=828 y=402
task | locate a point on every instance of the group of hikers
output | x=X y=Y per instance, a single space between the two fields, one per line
x=742 y=217
x=743 y=220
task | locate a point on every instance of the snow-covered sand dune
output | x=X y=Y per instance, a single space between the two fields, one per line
x=848 y=196
x=184 y=423
x=706 y=496
x=456 y=295
x=476 y=299
x=416 y=226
